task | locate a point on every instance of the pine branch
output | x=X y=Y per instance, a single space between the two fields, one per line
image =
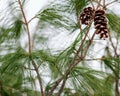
x=38 y=76
x=61 y=88
x=54 y=86
x=117 y=93
x=27 y=26
x=30 y=48
x=72 y=65
x=110 y=39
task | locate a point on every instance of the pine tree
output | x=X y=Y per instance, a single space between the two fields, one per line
x=35 y=69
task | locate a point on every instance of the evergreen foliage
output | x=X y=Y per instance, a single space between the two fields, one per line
x=37 y=70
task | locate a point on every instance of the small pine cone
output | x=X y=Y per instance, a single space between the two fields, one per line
x=100 y=23
x=87 y=15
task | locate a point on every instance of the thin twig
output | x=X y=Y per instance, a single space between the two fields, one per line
x=27 y=26
x=116 y=44
x=38 y=76
x=28 y=68
x=34 y=35
x=117 y=93
x=82 y=43
x=32 y=19
x=54 y=86
x=104 y=6
x=104 y=1
x=94 y=59
x=111 y=3
x=110 y=38
x=61 y=88
x=80 y=27
x=99 y=4
x=90 y=42
x=91 y=1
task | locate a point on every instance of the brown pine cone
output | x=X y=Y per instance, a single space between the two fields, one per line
x=100 y=23
x=87 y=15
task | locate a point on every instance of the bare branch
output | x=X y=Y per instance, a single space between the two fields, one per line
x=54 y=86
x=104 y=5
x=38 y=76
x=90 y=42
x=94 y=59
x=26 y=23
x=99 y=4
x=91 y=1
x=117 y=93
x=104 y=1
x=112 y=44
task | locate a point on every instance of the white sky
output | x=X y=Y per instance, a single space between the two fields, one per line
x=33 y=6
